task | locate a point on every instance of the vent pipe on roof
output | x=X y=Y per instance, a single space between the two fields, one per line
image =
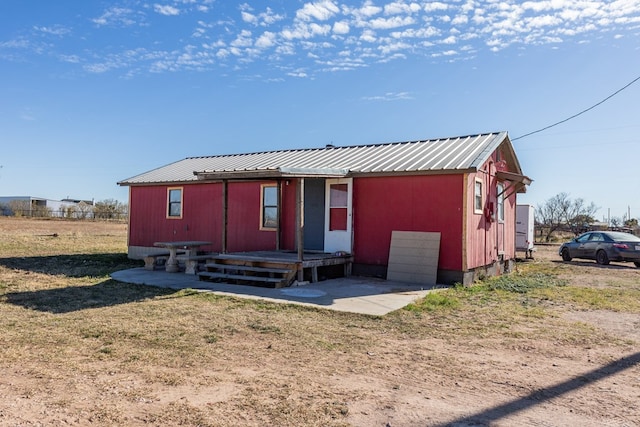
x=330 y=145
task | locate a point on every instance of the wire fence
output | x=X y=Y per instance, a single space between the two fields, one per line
x=66 y=213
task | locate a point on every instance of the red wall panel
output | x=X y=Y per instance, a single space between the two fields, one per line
x=488 y=241
x=202 y=216
x=288 y=220
x=416 y=203
x=201 y=219
x=243 y=221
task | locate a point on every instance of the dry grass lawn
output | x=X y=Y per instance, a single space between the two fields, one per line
x=553 y=344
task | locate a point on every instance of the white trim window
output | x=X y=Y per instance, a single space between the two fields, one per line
x=477 y=196
x=500 y=201
x=268 y=207
x=174 y=202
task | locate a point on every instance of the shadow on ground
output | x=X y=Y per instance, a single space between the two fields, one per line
x=75 y=298
x=78 y=265
x=592 y=264
x=538 y=397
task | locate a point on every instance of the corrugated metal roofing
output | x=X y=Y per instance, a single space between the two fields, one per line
x=444 y=154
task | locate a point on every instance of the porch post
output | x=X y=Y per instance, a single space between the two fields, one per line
x=278 y=213
x=300 y=226
x=224 y=216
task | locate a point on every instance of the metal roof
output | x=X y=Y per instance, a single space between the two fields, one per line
x=455 y=154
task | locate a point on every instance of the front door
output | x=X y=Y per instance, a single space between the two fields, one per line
x=314 y=189
x=338 y=218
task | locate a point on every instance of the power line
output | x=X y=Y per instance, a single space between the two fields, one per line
x=581 y=112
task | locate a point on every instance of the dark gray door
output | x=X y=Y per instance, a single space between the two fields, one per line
x=314 y=214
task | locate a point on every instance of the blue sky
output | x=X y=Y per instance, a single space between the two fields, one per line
x=96 y=92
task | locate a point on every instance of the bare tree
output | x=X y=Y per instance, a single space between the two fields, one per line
x=84 y=210
x=560 y=211
x=616 y=222
x=632 y=223
x=109 y=209
x=579 y=216
x=550 y=214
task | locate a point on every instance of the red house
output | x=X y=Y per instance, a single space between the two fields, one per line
x=341 y=199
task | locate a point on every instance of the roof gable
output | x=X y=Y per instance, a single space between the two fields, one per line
x=443 y=155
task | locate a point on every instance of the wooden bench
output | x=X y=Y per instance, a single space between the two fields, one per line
x=150 y=260
x=191 y=262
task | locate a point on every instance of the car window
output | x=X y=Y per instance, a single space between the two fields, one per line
x=623 y=237
x=596 y=237
x=583 y=238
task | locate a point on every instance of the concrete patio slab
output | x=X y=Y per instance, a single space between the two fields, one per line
x=361 y=295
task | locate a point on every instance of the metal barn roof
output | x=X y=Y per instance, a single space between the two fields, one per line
x=455 y=154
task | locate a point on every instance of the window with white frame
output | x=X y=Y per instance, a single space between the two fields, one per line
x=269 y=207
x=500 y=201
x=174 y=202
x=477 y=196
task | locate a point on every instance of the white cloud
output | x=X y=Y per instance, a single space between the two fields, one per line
x=249 y=17
x=460 y=20
x=306 y=31
x=543 y=21
x=389 y=96
x=393 y=22
x=223 y=53
x=435 y=6
x=423 y=33
x=20 y=43
x=56 y=30
x=166 y=10
x=332 y=35
x=320 y=11
x=394 y=47
x=243 y=39
x=400 y=7
x=266 y=40
x=297 y=73
x=341 y=27
x=368 y=36
x=266 y=18
x=449 y=40
x=368 y=9
x=115 y=16
x=72 y=59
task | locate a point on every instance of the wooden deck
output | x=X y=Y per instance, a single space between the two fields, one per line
x=276 y=269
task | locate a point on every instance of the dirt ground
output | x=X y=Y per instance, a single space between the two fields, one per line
x=292 y=366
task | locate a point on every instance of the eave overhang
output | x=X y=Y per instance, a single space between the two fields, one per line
x=276 y=173
x=518 y=182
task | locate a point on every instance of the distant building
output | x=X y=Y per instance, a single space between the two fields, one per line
x=38 y=206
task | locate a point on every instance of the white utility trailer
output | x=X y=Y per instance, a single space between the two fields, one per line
x=525 y=230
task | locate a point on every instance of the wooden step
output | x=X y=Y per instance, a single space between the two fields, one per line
x=224 y=276
x=248 y=268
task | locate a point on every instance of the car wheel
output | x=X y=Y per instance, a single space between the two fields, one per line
x=566 y=256
x=602 y=258
x=637 y=264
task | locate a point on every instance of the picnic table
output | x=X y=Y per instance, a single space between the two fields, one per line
x=189 y=245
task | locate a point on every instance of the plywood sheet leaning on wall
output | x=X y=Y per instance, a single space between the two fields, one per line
x=413 y=257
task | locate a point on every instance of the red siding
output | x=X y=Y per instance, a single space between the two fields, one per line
x=288 y=212
x=488 y=240
x=149 y=222
x=243 y=229
x=435 y=203
x=415 y=203
x=202 y=216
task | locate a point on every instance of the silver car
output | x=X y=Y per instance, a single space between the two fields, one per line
x=603 y=246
